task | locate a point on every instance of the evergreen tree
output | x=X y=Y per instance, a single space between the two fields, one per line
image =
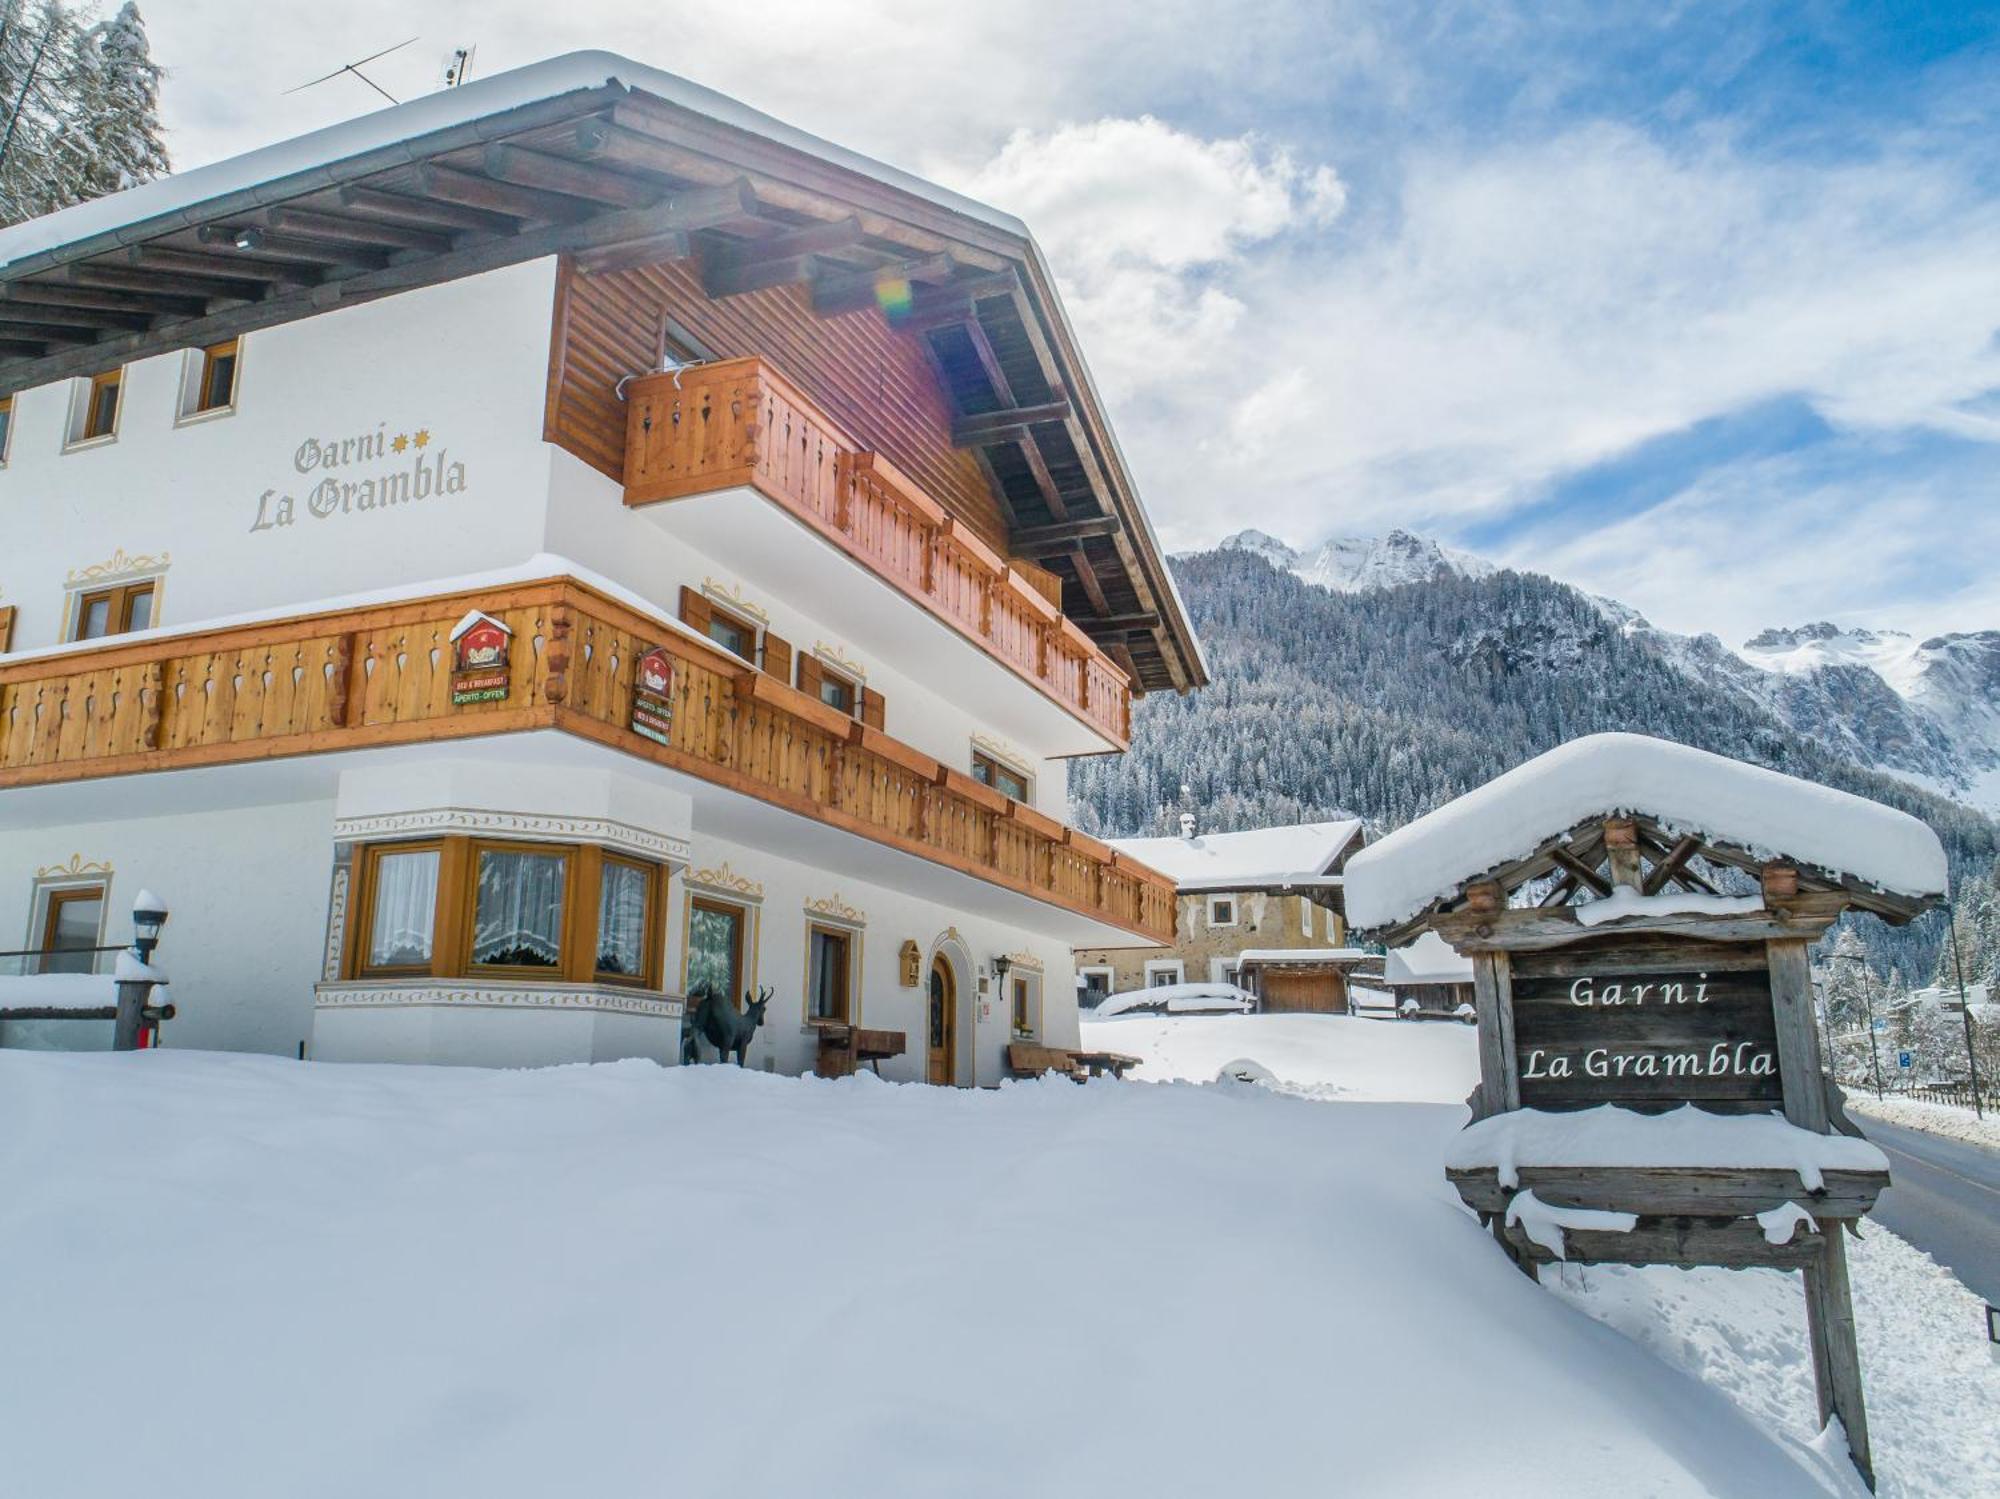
x=120 y=87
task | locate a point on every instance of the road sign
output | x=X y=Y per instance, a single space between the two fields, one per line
x=1904 y=1059
x=1881 y=1025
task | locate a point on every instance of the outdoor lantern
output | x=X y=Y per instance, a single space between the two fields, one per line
x=149 y=914
x=1001 y=964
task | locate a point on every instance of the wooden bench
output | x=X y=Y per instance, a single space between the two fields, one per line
x=842 y=1048
x=1030 y=1059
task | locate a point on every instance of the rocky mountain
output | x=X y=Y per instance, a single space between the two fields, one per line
x=1388 y=701
x=1926 y=710
x=1349 y=564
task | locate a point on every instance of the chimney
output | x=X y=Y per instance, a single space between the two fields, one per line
x=1187 y=824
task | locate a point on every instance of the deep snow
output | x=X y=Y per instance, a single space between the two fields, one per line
x=339 y=1280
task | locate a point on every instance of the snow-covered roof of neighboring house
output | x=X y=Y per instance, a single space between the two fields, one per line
x=385 y=129
x=1178 y=999
x=1428 y=960
x=1300 y=856
x=1685 y=790
x=1335 y=955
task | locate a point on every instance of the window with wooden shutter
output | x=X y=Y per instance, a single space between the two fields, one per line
x=873 y=712
x=778 y=658
x=695 y=610
x=6 y=627
x=811 y=675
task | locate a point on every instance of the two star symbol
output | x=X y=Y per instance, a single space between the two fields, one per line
x=403 y=440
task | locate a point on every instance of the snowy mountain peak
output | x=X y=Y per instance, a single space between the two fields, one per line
x=1353 y=564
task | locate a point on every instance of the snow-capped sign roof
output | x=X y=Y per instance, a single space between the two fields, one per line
x=1300 y=855
x=480 y=617
x=1428 y=960
x=1685 y=790
x=385 y=129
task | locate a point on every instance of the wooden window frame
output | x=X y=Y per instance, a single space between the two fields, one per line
x=6 y=428
x=83 y=425
x=201 y=388
x=118 y=598
x=58 y=896
x=1235 y=910
x=1021 y=1006
x=850 y=947
x=648 y=975
x=720 y=905
x=457 y=905
x=994 y=768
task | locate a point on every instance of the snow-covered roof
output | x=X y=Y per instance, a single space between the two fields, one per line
x=1179 y=999
x=384 y=130
x=1685 y=790
x=1428 y=960
x=1334 y=955
x=1297 y=856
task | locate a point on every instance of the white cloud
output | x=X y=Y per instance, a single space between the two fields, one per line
x=1143 y=223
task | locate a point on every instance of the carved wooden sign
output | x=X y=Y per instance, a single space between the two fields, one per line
x=1646 y=1024
x=652 y=697
x=479 y=647
x=911 y=964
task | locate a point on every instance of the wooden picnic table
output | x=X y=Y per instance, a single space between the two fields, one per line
x=842 y=1048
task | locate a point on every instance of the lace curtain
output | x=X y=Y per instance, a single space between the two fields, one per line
x=517 y=920
x=405 y=909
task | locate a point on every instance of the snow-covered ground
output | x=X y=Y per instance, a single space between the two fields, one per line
x=1318 y=1056
x=623 y=1279
x=1939 y=1118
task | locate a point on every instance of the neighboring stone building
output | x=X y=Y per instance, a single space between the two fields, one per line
x=1262 y=908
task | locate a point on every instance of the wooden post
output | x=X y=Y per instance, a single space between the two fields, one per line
x=1835 y=1354
x=1621 y=847
x=1492 y=993
x=131 y=1012
x=1797 y=1035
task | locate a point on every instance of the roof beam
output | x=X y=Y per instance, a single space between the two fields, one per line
x=850 y=291
x=1579 y=871
x=13 y=349
x=1008 y=423
x=622 y=257
x=424 y=213
x=1062 y=537
x=48 y=333
x=531 y=204
x=47 y=294
x=1122 y=624
x=131 y=278
x=223 y=267
x=348 y=230
x=728 y=270
x=12 y=311
x=575 y=179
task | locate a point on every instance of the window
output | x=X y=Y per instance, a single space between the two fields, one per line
x=1093 y=986
x=1161 y=972
x=113 y=611
x=732 y=634
x=624 y=899
x=455 y=906
x=1001 y=777
x=215 y=378
x=6 y=425
x=72 y=925
x=517 y=910
x=1023 y=1010
x=715 y=948
x=402 y=920
x=1222 y=910
x=837 y=693
x=828 y=973
x=1222 y=970
x=94 y=413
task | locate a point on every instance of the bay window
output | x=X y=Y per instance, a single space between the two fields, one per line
x=460 y=907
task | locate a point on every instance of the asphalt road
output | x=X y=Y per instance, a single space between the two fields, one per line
x=1944 y=1197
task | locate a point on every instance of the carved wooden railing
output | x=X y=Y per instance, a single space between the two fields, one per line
x=382 y=675
x=740 y=423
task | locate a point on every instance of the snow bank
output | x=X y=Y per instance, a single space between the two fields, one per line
x=1945 y=1119
x=1178 y=999
x=626 y=1280
x=1428 y=960
x=57 y=991
x=1687 y=790
x=1624 y=903
x=1318 y=1056
x=1687 y=1136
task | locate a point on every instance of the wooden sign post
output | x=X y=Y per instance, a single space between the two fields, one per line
x=1670 y=995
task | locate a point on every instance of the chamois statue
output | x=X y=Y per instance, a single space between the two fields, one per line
x=714 y=1020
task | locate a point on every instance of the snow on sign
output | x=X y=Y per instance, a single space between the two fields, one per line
x=1646 y=1027
x=1633 y=992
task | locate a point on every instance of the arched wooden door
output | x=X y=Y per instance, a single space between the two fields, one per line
x=941 y=1065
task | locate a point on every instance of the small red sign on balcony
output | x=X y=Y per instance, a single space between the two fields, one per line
x=479 y=659
x=652 y=697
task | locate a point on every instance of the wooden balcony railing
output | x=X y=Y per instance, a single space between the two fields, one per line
x=382 y=675
x=740 y=423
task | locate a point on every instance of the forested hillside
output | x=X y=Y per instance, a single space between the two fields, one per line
x=1389 y=702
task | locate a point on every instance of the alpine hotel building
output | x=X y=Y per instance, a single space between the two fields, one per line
x=505 y=563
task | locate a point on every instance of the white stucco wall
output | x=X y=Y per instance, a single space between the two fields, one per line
x=247 y=889
x=464 y=364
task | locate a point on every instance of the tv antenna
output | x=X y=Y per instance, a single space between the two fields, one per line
x=355 y=68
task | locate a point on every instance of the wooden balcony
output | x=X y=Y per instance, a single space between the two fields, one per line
x=382 y=675
x=741 y=424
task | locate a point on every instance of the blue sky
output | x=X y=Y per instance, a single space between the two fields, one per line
x=1694 y=305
